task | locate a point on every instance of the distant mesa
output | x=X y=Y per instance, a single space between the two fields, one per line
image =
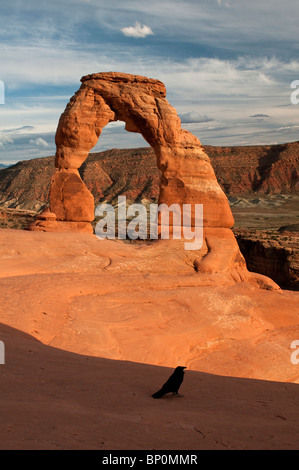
x=292 y=228
x=134 y=172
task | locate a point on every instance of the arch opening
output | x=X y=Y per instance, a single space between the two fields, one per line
x=128 y=176
x=115 y=135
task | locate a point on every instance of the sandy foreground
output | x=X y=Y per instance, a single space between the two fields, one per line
x=92 y=328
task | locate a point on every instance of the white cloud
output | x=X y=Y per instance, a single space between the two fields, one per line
x=226 y=3
x=39 y=142
x=4 y=140
x=137 y=31
x=193 y=116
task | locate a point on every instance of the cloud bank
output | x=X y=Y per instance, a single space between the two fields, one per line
x=227 y=66
x=39 y=142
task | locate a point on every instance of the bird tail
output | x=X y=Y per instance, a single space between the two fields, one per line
x=158 y=394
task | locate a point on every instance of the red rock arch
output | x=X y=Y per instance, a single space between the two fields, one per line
x=187 y=175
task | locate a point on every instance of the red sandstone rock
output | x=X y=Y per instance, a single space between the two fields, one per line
x=70 y=199
x=59 y=226
x=86 y=323
x=46 y=214
x=187 y=175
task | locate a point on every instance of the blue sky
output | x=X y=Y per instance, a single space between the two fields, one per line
x=227 y=65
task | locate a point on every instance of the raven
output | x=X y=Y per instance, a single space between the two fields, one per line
x=173 y=383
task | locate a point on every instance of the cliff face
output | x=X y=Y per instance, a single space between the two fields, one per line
x=273 y=254
x=266 y=169
x=26 y=184
x=129 y=172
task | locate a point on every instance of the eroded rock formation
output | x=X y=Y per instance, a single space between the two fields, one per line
x=187 y=175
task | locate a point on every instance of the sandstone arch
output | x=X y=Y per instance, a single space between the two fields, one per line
x=187 y=175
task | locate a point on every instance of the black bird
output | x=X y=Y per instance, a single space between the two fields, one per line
x=173 y=383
